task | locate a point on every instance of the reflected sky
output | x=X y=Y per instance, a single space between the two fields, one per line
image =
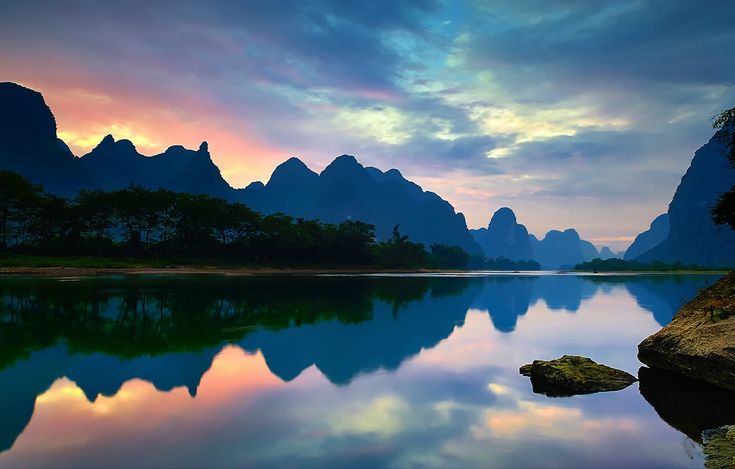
x=423 y=373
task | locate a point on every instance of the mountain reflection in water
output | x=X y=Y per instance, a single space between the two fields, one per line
x=104 y=334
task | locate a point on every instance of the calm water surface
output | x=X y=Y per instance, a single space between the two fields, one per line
x=334 y=371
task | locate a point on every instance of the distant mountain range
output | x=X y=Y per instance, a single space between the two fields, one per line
x=346 y=190
x=687 y=233
x=505 y=237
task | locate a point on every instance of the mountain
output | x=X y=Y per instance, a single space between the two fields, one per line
x=504 y=237
x=29 y=145
x=562 y=249
x=653 y=236
x=693 y=237
x=346 y=190
x=606 y=253
x=117 y=164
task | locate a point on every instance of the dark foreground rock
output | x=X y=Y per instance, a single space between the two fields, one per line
x=700 y=341
x=570 y=375
x=719 y=447
x=687 y=405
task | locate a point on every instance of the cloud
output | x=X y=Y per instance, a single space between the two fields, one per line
x=535 y=105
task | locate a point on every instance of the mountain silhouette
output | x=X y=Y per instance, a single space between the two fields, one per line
x=504 y=237
x=29 y=145
x=344 y=190
x=561 y=249
x=652 y=237
x=117 y=164
x=606 y=253
x=693 y=238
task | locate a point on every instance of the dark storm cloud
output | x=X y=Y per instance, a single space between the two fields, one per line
x=656 y=41
x=295 y=43
x=596 y=99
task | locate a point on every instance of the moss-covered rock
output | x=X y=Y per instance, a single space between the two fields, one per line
x=719 y=447
x=570 y=375
x=700 y=341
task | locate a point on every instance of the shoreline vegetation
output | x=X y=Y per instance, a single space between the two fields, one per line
x=23 y=264
x=620 y=265
x=138 y=227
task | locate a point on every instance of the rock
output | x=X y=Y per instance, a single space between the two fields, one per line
x=719 y=447
x=570 y=375
x=700 y=341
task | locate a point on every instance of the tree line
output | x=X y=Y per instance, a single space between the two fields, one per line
x=144 y=223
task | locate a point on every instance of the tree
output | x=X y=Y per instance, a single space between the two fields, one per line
x=449 y=257
x=16 y=196
x=724 y=210
x=96 y=213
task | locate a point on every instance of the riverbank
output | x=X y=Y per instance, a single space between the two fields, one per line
x=94 y=266
x=698 y=342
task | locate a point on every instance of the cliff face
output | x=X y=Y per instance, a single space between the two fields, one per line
x=504 y=237
x=698 y=343
x=652 y=237
x=693 y=237
x=28 y=142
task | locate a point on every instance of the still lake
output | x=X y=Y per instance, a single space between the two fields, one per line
x=335 y=371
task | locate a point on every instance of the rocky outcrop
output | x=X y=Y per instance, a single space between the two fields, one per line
x=570 y=375
x=504 y=237
x=700 y=341
x=719 y=447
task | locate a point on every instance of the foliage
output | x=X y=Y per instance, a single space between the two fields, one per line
x=724 y=210
x=620 y=265
x=132 y=316
x=140 y=223
x=501 y=263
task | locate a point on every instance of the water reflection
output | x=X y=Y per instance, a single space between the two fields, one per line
x=135 y=337
x=689 y=406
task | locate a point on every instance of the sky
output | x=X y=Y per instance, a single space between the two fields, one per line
x=579 y=113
